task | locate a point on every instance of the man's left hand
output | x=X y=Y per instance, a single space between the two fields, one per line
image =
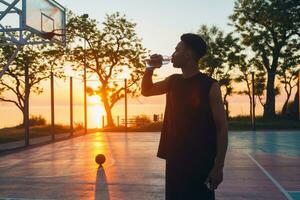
x=215 y=177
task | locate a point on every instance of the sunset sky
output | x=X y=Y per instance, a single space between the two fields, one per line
x=159 y=23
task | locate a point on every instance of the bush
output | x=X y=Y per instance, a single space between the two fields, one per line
x=79 y=125
x=144 y=118
x=34 y=121
x=37 y=121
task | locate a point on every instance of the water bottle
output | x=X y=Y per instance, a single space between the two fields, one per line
x=165 y=60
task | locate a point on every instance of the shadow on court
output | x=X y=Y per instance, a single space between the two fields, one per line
x=101 y=191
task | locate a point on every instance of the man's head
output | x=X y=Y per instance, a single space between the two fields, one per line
x=190 y=49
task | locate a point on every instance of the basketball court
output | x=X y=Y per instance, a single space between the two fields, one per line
x=257 y=167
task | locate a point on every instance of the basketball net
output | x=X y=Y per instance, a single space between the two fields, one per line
x=50 y=35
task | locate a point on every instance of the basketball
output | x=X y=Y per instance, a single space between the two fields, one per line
x=100 y=159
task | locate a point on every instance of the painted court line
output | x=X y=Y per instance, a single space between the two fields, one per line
x=286 y=194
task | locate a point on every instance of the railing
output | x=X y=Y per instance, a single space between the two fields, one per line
x=134 y=120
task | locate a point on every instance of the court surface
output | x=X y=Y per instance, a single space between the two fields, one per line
x=259 y=165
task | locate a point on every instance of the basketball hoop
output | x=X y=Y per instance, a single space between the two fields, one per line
x=43 y=18
x=50 y=35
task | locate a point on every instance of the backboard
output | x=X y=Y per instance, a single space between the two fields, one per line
x=32 y=17
x=42 y=16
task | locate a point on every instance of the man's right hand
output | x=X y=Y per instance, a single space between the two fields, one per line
x=148 y=87
x=155 y=61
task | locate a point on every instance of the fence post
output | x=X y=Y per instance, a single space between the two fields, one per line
x=26 y=104
x=71 y=106
x=253 y=103
x=299 y=95
x=52 y=107
x=125 y=86
x=103 y=121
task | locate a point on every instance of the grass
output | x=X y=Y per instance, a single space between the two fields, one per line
x=279 y=123
x=17 y=133
x=241 y=123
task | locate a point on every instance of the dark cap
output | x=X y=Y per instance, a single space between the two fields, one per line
x=195 y=43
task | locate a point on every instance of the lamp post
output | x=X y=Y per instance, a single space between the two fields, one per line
x=71 y=106
x=70 y=73
x=299 y=95
x=126 y=75
x=84 y=90
x=52 y=106
x=85 y=16
x=26 y=104
x=253 y=102
x=125 y=88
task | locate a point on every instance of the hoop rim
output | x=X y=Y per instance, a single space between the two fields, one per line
x=50 y=35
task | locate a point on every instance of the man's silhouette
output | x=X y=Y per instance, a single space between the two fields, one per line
x=194 y=135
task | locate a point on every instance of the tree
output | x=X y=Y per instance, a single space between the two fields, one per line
x=294 y=105
x=109 y=51
x=288 y=73
x=244 y=68
x=260 y=81
x=12 y=83
x=217 y=61
x=268 y=27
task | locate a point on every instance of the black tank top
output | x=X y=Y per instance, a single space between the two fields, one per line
x=188 y=131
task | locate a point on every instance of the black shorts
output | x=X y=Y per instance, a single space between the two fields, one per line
x=186 y=182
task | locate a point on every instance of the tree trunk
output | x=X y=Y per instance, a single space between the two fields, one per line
x=24 y=118
x=110 y=122
x=295 y=106
x=250 y=100
x=269 y=108
x=225 y=102
x=227 y=109
x=284 y=110
x=288 y=90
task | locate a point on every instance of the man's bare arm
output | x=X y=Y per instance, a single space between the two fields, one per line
x=215 y=177
x=217 y=106
x=149 y=88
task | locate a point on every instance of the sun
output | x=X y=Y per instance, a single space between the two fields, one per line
x=94 y=100
x=96 y=114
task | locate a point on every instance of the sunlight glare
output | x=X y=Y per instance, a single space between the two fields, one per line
x=69 y=71
x=96 y=113
x=126 y=73
x=94 y=100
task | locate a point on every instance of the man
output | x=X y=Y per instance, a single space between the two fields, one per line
x=194 y=135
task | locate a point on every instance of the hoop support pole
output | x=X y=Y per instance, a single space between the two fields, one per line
x=13 y=56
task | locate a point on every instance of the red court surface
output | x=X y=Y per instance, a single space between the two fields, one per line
x=67 y=170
